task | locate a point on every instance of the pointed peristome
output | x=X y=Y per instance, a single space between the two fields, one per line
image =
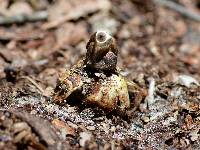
x=101 y=52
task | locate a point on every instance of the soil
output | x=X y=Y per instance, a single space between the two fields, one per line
x=159 y=51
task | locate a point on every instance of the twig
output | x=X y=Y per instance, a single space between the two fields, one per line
x=180 y=9
x=150 y=97
x=33 y=82
x=22 y=18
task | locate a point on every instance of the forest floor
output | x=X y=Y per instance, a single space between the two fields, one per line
x=159 y=50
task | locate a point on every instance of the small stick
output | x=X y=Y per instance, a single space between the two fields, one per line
x=150 y=100
x=33 y=82
x=22 y=18
x=180 y=9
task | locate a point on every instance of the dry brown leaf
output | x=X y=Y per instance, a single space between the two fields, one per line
x=62 y=125
x=73 y=10
x=18 y=8
x=70 y=34
x=107 y=23
x=3 y=6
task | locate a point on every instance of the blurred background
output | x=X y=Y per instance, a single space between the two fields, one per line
x=42 y=37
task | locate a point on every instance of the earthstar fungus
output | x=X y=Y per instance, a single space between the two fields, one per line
x=95 y=80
